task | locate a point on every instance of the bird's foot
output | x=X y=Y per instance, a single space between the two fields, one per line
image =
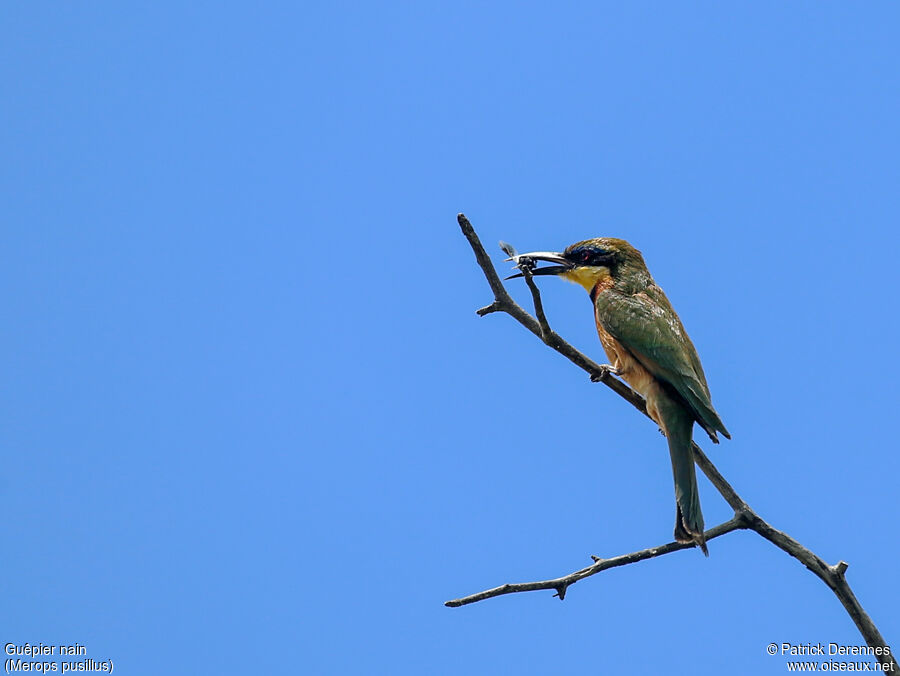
x=605 y=370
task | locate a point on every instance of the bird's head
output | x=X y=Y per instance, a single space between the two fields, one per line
x=602 y=260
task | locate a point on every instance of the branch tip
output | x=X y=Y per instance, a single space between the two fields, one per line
x=488 y=309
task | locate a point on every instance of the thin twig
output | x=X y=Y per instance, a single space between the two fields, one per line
x=547 y=334
x=744 y=516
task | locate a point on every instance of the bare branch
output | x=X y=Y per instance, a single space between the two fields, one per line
x=744 y=516
x=561 y=584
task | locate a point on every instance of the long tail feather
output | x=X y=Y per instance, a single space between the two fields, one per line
x=678 y=424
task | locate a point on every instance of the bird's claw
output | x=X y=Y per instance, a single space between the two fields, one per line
x=605 y=370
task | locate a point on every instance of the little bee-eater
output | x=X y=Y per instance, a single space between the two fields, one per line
x=649 y=348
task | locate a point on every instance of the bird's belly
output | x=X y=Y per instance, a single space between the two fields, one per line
x=631 y=370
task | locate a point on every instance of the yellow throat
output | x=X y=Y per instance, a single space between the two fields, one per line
x=588 y=276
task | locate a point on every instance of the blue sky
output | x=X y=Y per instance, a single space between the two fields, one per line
x=250 y=422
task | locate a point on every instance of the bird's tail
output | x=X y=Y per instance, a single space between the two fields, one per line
x=679 y=425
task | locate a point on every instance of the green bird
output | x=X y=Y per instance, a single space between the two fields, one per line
x=648 y=348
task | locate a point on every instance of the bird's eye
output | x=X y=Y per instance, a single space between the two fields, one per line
x=585 y=256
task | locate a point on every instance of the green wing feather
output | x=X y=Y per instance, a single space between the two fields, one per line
x=647 y=325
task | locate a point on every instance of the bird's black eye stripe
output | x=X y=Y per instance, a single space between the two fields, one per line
x=586 y=256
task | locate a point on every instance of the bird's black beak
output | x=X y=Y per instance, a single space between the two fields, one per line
x=528 y=259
